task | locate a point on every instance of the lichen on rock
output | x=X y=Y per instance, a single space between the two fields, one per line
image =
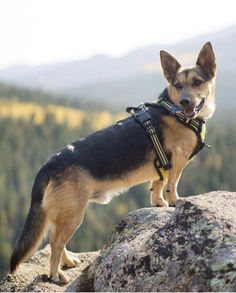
x=191 y=248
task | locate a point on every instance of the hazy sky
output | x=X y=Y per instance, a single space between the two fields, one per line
x=44 y=31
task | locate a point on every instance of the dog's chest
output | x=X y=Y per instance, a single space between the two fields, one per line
x=177 y=135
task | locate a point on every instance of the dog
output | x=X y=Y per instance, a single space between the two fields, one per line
x=99 y=167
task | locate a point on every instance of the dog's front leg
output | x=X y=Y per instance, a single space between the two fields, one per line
x=156 y=188
x=179 y=160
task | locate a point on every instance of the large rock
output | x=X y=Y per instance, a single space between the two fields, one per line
x=190 y=248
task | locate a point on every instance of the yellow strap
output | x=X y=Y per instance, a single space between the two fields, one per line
x=203 y=132
x=164 y=173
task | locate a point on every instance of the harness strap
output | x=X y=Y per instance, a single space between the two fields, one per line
x=141 y=115
x=156 y=142
x=197 y=125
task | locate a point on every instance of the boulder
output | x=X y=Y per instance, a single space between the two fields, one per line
x=188 y=248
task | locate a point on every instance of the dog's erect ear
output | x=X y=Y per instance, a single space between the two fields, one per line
x=206 y=60
x=169 y=65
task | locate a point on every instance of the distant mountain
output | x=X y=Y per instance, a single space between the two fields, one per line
x=128 y=79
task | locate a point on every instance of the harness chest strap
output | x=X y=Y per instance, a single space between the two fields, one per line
x=161 y=163
x=197 y=125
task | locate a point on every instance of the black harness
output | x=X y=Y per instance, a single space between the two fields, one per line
x=142 y=115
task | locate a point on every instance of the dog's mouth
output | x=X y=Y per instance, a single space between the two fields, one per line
x=191 y=111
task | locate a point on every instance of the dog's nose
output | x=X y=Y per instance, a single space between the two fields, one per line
x=184 y=102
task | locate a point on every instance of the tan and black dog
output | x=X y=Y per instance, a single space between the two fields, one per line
x=114 y=159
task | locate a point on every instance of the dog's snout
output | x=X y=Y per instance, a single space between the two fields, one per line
x=185 y=102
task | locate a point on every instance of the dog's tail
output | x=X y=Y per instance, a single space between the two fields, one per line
x=35 y=223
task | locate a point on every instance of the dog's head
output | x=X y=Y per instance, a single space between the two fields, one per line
x=192 y=89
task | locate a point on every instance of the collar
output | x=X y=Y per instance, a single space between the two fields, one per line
x=165 y=102
x=195 y=124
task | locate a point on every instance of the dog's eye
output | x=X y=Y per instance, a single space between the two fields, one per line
x=197 y=82
x=178 y=86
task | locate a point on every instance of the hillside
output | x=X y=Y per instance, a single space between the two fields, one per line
x=144 y=88
x=130 y=78
x=72 y=117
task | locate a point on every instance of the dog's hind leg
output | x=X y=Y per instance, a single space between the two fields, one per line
x=65 y=203
x=60 y=235
x=57 y=246
x=156 y=188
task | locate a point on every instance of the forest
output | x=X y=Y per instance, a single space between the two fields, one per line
x=34 y=125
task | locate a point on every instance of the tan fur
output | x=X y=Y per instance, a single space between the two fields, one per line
x=112 y=188
x=67 y=196
x=195 y=93
x=179 y=140
x=64 y=206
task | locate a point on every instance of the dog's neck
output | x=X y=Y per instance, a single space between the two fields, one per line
x=208 y=108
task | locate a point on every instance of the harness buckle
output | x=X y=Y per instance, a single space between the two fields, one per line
x=141 y=114
x=175 y=110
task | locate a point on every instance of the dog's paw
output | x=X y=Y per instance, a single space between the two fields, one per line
x=172 y=200
x=160 y=203
x=60 y=278
x=70 y=262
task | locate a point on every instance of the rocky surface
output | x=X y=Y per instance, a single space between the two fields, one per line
x=32 y=276
x=188 y=248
